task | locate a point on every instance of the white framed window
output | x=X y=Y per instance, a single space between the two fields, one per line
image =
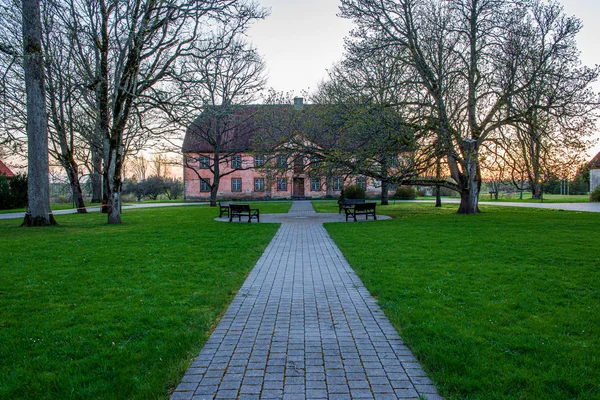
x=236 y=184
x=259 y=184
x=361 y=182
x=338 y=183
x=315 y=184
x=281 y=184
x=204 y=185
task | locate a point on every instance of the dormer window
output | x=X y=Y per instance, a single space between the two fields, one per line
x=204 y=162
x=259 y=161
x=236 y=162
x=281 y=161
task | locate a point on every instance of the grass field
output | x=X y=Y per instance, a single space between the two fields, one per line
x=93 y=311
x=501 y=305
x=548 y=198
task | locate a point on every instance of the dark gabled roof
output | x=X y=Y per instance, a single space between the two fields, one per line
x=4 y=170
x=595 y=162
x=262 y=128
x=241 y=127
x=237 y=130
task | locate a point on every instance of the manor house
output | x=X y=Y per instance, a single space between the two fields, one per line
x=244 y=172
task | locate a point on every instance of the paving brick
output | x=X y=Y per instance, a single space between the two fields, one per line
x=182 y=395
x=406 y=393
x=338 y=388
x=249 y=389
x=304 y=326
x=192 y=378
x=272 y=394
x=206 y=390
x=293 y=389
x=203 y=397
x=361 y=393
x=227 y=394
x=316 y=394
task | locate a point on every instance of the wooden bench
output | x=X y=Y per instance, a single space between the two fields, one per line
x=243 y=210
x=349 y=203
x=365 y=209
x=223 y=208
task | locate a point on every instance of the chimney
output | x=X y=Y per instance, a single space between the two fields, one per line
x=298 y=103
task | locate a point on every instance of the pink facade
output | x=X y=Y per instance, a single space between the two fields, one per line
x=243 y=177
x=248 y=183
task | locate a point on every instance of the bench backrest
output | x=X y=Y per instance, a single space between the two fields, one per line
x=365 y=206
x=239 y=207
x=351 y=202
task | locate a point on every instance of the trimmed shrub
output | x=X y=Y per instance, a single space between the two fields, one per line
x=5 y=194
x=405 y=193
x=18 y=187
x=353 y=192
x=595 y=195
x=13 y=193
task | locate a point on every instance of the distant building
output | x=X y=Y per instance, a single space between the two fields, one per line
x=594 y=172
x=244 y=174
x=4 y=170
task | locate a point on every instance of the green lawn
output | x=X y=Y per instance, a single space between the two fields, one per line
x=93 y=311
x=54 y=207
x=501 y=305
x=548 y=198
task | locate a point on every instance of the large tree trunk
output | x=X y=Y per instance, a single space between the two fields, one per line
x=384 y=193
x=96 y=177
x=213 y=195
x=73 y=175
x=38 y=206
x=536 y=189
x=438 y=190
x=470 y=181
x=103 y=120
x=112 y=176
x=214 y=188
x=384 y=182
x=468 y=204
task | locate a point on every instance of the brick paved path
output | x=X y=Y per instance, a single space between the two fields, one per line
x=304 y=326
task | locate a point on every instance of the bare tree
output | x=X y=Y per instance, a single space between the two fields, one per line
x=470 y=61
x=556 y=111
x=64 y=101
x=38 y=206
x=368 y=97
x=160 y=165
x=13 y=106
x=218 y=85
x=127 y=49
x=139 y=166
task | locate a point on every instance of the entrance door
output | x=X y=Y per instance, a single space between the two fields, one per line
x=298 y=187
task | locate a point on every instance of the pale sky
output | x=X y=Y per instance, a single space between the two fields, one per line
x=301 y=39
